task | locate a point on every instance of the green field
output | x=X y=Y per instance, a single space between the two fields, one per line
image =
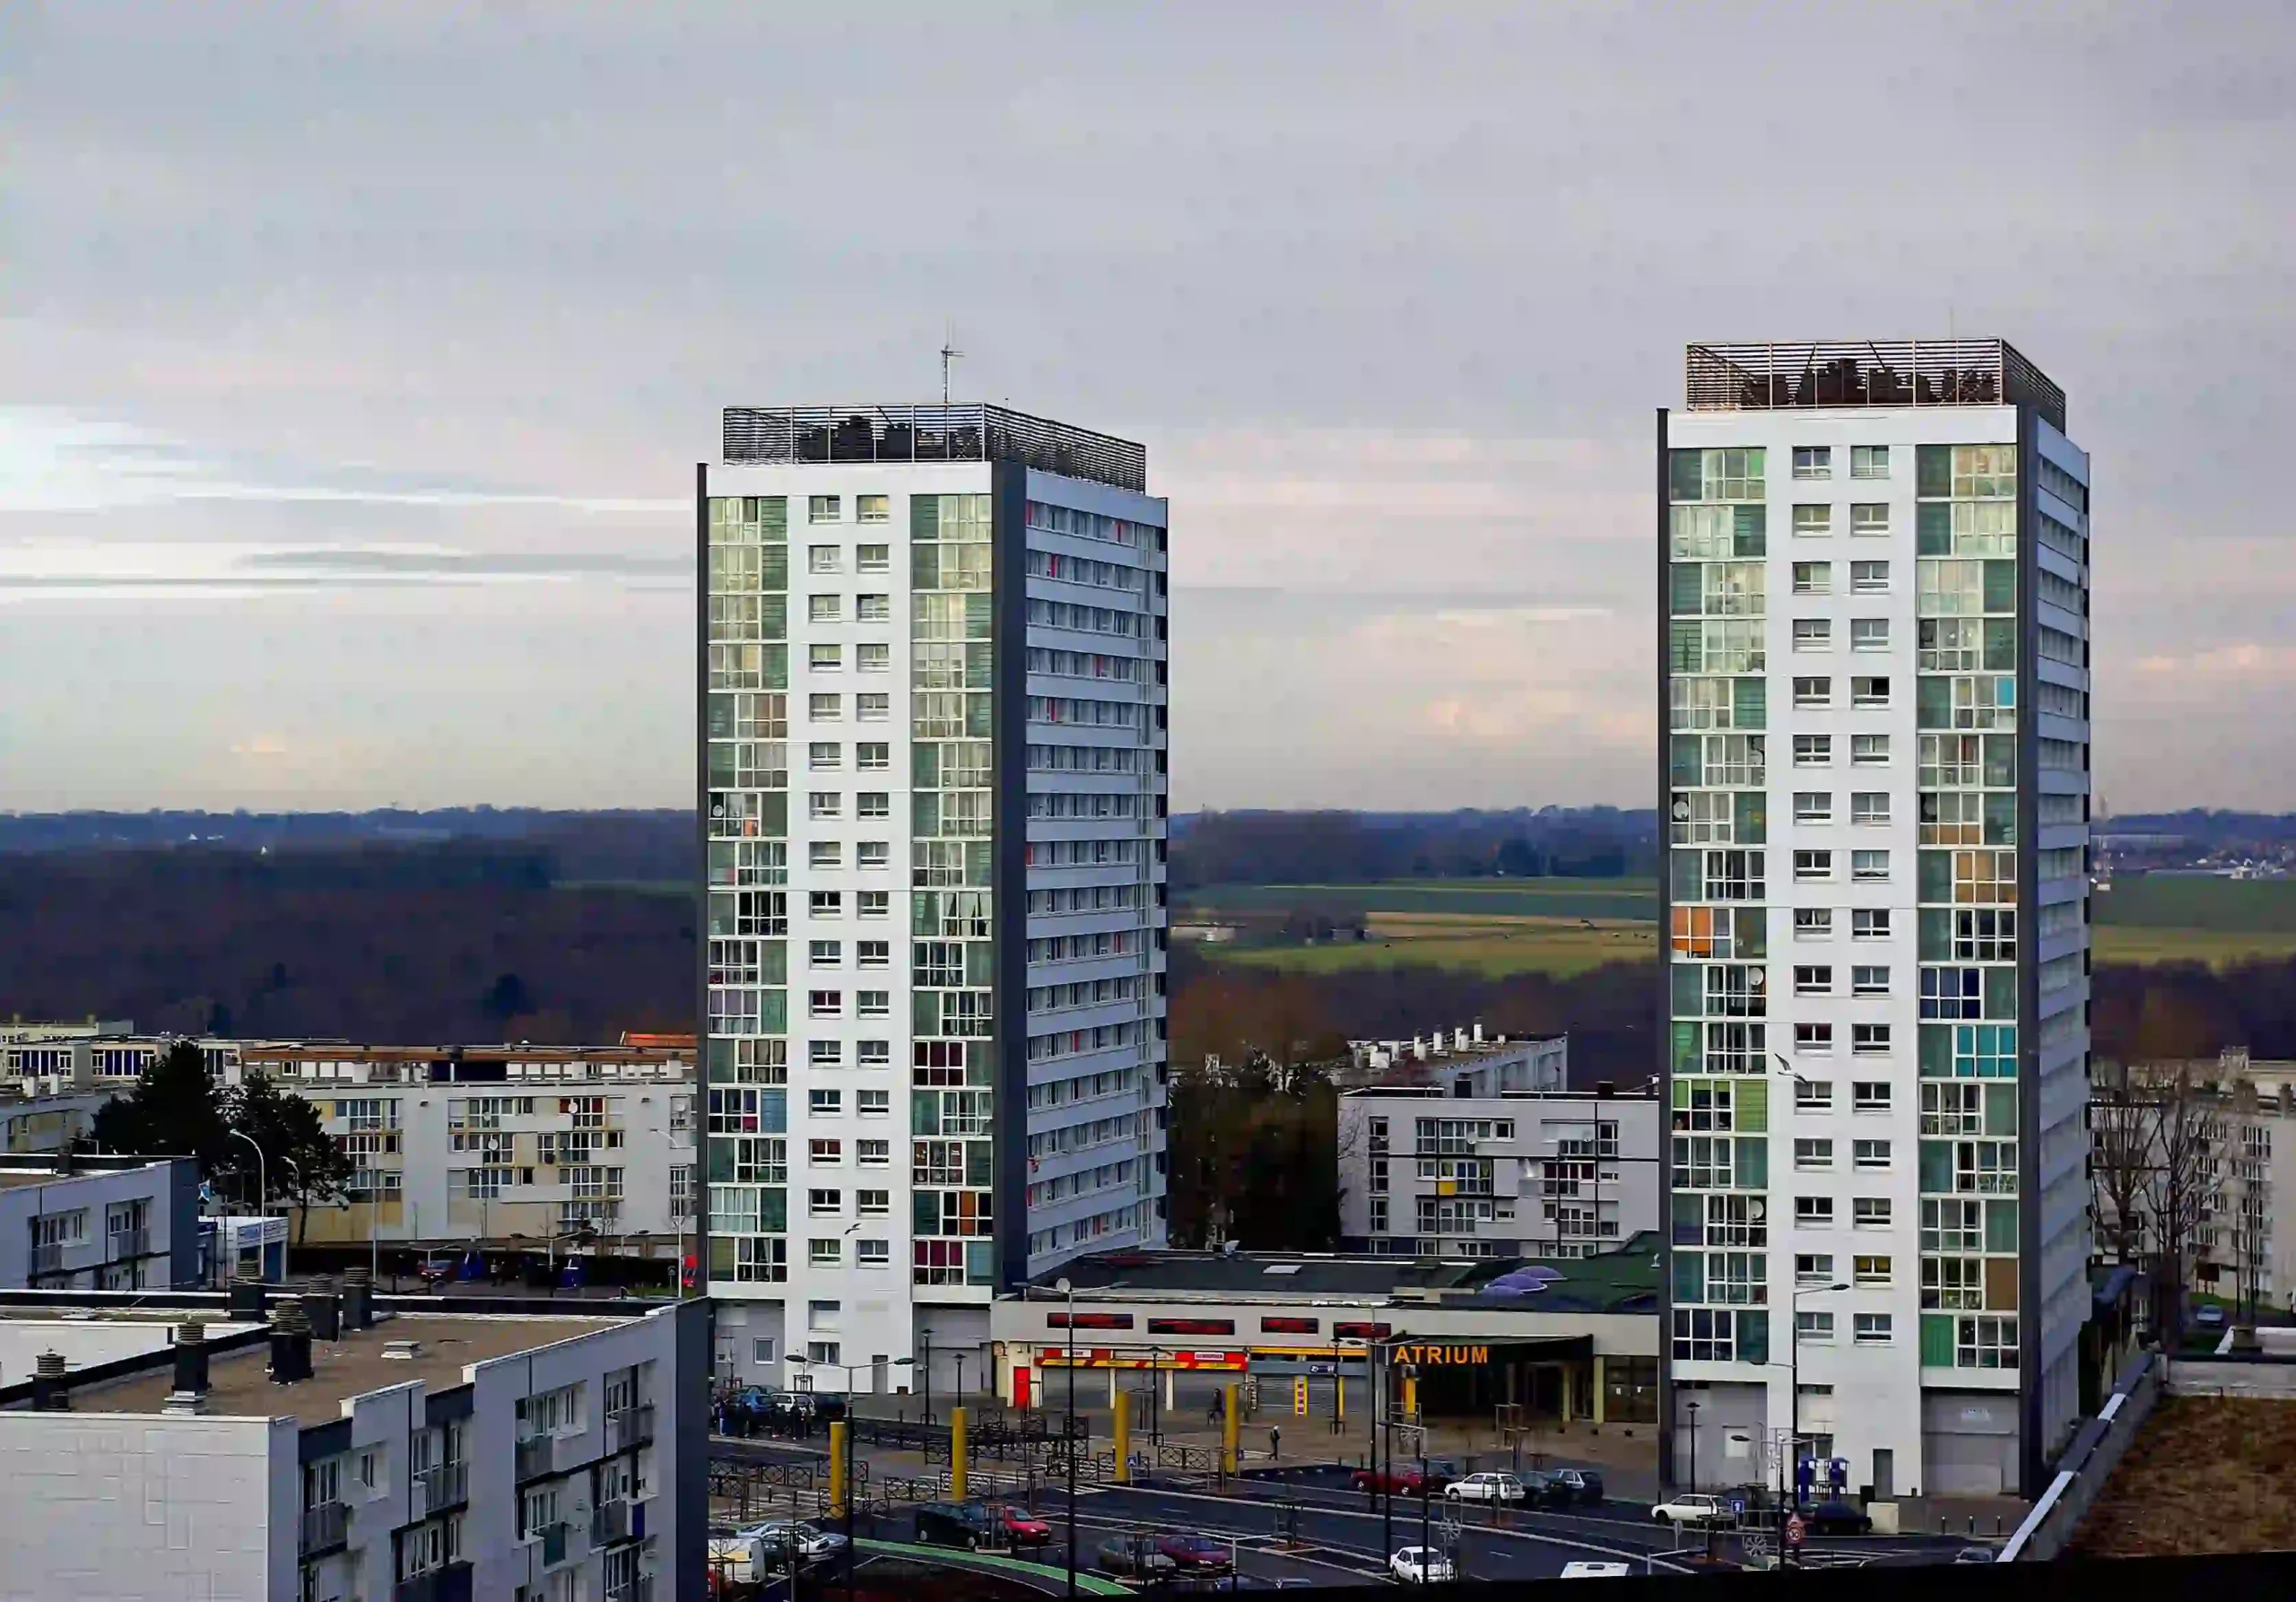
x=1628 y=899
x=2210 y=905
x=1493 y=947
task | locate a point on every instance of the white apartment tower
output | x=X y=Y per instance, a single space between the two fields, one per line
x=1873 y=678
x=933 y=780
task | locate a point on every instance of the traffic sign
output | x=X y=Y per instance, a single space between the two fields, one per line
x=1794 y=1531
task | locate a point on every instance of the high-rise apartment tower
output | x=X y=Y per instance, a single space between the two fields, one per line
x=1873 y=684
x=933 y=785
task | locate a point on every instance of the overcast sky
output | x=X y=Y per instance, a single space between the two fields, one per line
x=355 y=359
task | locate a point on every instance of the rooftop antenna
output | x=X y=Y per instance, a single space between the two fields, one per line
x=949 y=353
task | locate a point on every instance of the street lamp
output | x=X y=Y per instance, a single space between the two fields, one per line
x=1794 y=1379
x=262 y=1180
x=1069 y=1290
x=1693 y=1448
x=672 y=1148
x=848 y=1369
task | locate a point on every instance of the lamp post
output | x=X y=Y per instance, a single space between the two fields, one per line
x=849 y=1369
x=1069 y=1290
x=1792 y=1477
x=1693 y=1448
x=958 y=1357
x=263 y=1197
x=671 y=1149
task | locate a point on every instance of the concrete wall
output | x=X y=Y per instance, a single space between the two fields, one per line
x=117 y=1506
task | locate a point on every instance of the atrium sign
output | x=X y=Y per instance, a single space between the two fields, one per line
x=1446 y=1355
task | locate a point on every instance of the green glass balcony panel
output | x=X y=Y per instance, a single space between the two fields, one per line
x=978 y=714
x=773 y=962
x=1749 y=530
x=925 y=1012
x=1684 y=766
x=1937 y=1167
x=1686 y=589
x=773 y=1011
x=980 y=616
x=1933 y=873
x=924 y=1112
x=1936 y=1340
x=1684 y=1046
x=1749 y=818
x=2000 y=587
x=2001 y=818
x=721 y=1256
x=1933 y=470
x=1687 y=1211
x=776 y=661
x=2001 y=1226
x=981 y=1262
x=1686 y=989
x=925 y=814
x=1753 y=1335
x=721 y=1161
x=1686 y=873
x=1752 y=1111
x=980 y=963
x=1685 y=474
x=773 y=517
x=980 y=1163
x=1936 y=942
x=1936 y=1050
x=979 y=657
x=772 y=1211
x=924 y=517
x=2000 y=762
x=1750 y=929
x=773 y=568
x=2001 y=995
x=1749 y=703
x=2001 y=1111
x=2000 y=636
x=925 y=1213
x=925 y=567
x=1752 y=1163
x=1690 y=1276
x=773 y=815
x=1933 y=701
x=925 y=766
x=981 y=1063
x=976 y=864
x=1932 y=529
x=773 y=1111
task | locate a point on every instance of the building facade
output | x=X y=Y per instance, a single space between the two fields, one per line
x=98 y=1223
x=933 y=784
x=528 y=1454
x=1449 y=1170
x=1874 y=683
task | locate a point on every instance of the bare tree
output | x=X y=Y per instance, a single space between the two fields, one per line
x=2120 y=1169
x=2153 y=1134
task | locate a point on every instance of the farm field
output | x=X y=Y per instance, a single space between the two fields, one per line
x=1493 y=947
x=2140 y=945
x=1617 y=899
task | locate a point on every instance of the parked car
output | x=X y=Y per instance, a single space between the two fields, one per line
x=1404 y=1480
x=1542 y=1489
x=1976 y=1555
x=2209 y=1316
x=810 y=1541
x=1135 y=1555
x=1018 y=1527
x=965 y=1524
x=1695 y=1509
x=1585 y=1484
x=1193 y=1554
x=1486 y=1487
x=1836 y=1518
x=1596 y=1571
x=1420 y=1565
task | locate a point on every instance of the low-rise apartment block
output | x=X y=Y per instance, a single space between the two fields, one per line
x=98 y=1223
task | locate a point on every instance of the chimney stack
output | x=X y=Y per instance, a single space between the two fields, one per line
x=290 y=1344
x=50 y=1391
x=248 y=1302
x=322 y=1311
x=190 y=1393
x=357 y=1299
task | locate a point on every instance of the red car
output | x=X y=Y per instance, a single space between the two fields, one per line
x=1019 y=1526
x=1200 y=1553
x=1402 y=1480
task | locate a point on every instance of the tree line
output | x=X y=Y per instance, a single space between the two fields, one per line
x=1341 y=848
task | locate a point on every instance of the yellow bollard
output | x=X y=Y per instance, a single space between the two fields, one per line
x=956 y=1454
x=1230 y=1422
x=837 y=1489
x=1410 y=1398
x=1339 y=1394
x=1123 y=1438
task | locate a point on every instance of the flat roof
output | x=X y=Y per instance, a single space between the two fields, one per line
x=241 y=1384
x=958 y=431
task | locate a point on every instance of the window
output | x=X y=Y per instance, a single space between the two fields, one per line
x=825 y=1153
x=1869 y=693
x=1985 y=1343
x=1813 y=1328
x=1812 y=692
x=1866 y=980
x=1873 y=1329
x=1869 y=1095
x=872 y=855
x=873 y=1254
x=1810 y=1155
x=1869 y=577
x=1869 y=1039
x=1871 y=1211
x=873 y=954
x=1870 y=1154
x=827 y=1004
x=1870 y=1270
x=873 y=1103
x=1814 y=1268
x=873 y=509
x=1813 y=461
x=823 y=509
x=824 y=903
x=1814 y=806
x=824 y=559
x=872 y=1004
x=825 y=659
x=825 y=1254
x=825 y=953
x=823 y=755
x=872 y=1204
x=872 y=708
x=1813 y=981
x=872 y=609
x=1813 y=1040
x=825 y=804
x=873 y=756
x=825 y=1054
x=1869 y=519
x=1812 y=519
x=824 y=609
x=825 y=709
x=1869 y=867
x=1813 y=923
x=874 y=804
x=874 y=903
x=1869 y=923
x=1812 y=865
x=875 y=1054
x=872 y=558
x=1812 y=751
x=873 y=1153
x=1812 y=578
x=825 y=1103
x=824 y=1204
x=873 y=658
x=1812 y=1095
x=1869 y=633
x=823 y=854
x=1813 y=634
x=1869 y=807
x=1869 y=750
x=1869 y=461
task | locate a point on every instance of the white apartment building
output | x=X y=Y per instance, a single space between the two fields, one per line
x=524 y=1454
x=1454 y=1169
x=98 y=1223
x=514 y=1144
x=1874 y=679
x=933 y=685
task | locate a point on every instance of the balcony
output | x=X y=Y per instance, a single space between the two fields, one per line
x=553 y=1543
x=609 y=1523
x=48 y=1259
x=450 y=1584
x=637 y=1589
x=130 y=1243
x=443 y=1485
x=327 y=1527
x=535 y=1456
x=629 y=1426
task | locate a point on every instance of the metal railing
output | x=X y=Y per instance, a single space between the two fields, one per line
x=553 y=1543
x=609 y=1522
x=443 y=1485
x=1768 y=376
x=931 y=433
x=639 y=1588
x=325 y=1527
x=130 y=1243
x=534 y=1456
x=48 y=1259
x=629 y=1426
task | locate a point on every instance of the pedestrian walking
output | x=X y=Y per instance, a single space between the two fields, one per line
x=1275 y=1442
